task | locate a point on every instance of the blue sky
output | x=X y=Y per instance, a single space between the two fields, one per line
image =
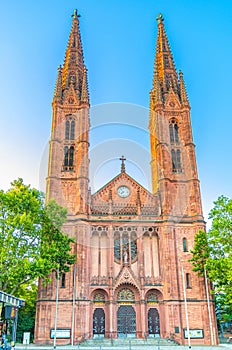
x=119 y=46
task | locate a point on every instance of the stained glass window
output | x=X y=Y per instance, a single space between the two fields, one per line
x=99 y=298
x=133 y=246
x=125 y=245
x=126 y=295
x=117 y=247
x=152 y=298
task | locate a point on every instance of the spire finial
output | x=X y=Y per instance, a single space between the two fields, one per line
x=75 y=14
x=123 y=168
x=160 y=18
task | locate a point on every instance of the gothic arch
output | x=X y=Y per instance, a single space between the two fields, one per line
x=131 y=288
x=156 y=292
x=99 y=295
x=174 y=131
x=151 y=253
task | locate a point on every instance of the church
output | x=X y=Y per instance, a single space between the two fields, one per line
x=132 y=277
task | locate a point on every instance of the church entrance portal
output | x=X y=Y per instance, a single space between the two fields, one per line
x=153 y=323
x=98 y=323
x=126 y=318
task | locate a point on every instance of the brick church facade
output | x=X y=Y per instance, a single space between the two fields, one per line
x=132 y=245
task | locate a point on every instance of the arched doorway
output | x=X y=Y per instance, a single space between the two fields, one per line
x=153 y=323
x=99 y=323
x=126 y=321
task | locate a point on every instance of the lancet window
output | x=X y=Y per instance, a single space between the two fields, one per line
x=68 y=158
x=62 y=284
x=188 y=281
x=69 y=130
x=185 y=249
x=176 y=161
x=125 y=246
x=174 y=132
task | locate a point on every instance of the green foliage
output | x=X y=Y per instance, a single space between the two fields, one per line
x=213 y=251
x=26 y=315
x=32 y=244
x=201 y=252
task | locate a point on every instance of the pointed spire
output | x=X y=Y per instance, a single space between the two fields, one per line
x=165 y=68
x=73 y=68
x=183 y=92
x=85 y=90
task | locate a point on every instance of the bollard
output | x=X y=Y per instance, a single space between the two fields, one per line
x=129 y=344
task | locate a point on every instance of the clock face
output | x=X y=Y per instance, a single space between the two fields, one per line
x=123 y=191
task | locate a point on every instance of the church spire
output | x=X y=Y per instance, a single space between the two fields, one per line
x=73 y=73
x=183 y=92
x=165 y=73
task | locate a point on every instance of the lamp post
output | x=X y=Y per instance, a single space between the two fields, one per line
x=208 y=304
x=56 y=313
x=186 y=308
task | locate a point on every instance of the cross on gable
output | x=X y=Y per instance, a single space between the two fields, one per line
x=123 y=168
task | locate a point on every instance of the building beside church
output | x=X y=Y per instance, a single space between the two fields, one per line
x=132 y=245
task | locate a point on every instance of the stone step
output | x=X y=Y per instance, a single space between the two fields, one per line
x=128 y=341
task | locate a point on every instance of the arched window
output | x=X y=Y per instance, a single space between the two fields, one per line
x=68 y=158
x=173 y=153
x=171 y=133
x=71 y=156
x=126 y=295
x=62 y=284
x=133 y=245
x=185 y=245
x=69 y=130
x=125 y=245
x=176 y=161
x=99 y=298
x=117 y=247
x=174 y=132
x=152 y=298
x=188 y=281
x=72 y=133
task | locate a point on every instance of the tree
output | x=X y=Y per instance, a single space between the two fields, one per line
x=32 y=243
x=213 y=251
x=26 y=314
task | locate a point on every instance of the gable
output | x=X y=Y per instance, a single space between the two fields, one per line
x=123 y=195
